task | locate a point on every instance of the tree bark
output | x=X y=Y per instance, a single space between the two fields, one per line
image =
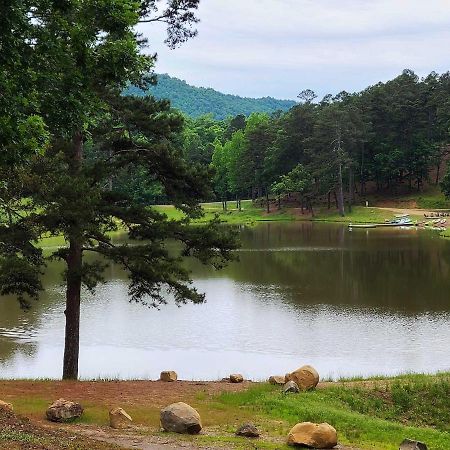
x=267 y=201
x=340 y=193
x=73 y=287
x=72 y=312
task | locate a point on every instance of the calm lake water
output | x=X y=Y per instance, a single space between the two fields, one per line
x=350 y=303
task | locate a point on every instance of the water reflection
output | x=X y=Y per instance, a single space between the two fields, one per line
x=359 y=303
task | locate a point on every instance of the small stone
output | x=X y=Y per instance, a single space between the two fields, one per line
x=291 y=386
x=64 y=411
x=409 y=444
x=313 y=435
x=248 y=430
x=168 y=376
x=306 y=377
x=6 y=406
x=181 y=418
x=277 y=380
x=236 y=378
x=119 y=419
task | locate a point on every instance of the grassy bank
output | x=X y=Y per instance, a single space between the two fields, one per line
x=253 y=214
x=372 y=414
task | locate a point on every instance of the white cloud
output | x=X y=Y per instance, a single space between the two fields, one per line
x=279 y=47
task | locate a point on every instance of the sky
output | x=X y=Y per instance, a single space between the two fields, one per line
x=258 y=48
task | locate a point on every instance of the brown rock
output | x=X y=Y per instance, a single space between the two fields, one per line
x=64 y=411
x=236 y=378
x=6 y=406
x=168 y=376
x=248 y=430
x=313 y=435
x=306 y=378
x=277 y=380
x=118 y=418
x=181 y=418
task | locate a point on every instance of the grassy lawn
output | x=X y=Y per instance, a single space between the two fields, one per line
x=371 y=414
x=249 y=213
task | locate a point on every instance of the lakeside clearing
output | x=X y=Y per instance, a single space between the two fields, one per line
x=368 y=414
x=251 y=214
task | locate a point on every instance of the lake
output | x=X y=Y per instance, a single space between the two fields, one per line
x=357 y=303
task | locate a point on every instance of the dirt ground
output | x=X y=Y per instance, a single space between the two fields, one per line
x=149 y=394
x=112 y=393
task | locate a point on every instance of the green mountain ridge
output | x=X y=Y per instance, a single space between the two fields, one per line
x=197 y=101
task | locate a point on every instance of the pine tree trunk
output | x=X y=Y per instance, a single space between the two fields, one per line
x=72 y=312
x=73 y=288
x=350 y=189
x=340 y=193
x=267 y=201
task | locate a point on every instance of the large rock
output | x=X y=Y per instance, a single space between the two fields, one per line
x=168 y=376
x=236 y=378
x=277 y=380
x=313 y=435
x=118 y=418
x=64 y=411
x=181 y=418
x=306 y=377
x=291 y=386
x=248 y=430
x=409 y=444
x=6 y=406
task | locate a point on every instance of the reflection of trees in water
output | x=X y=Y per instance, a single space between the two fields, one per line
x=391 y=270
x=9 y=348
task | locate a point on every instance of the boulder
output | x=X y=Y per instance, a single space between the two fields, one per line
x=181 y=418
x=64 y=411
x=306 y=377
x=313 y=435
x=277 y=380
x=248 y=430
x=236 y=378
x=409 y=444
x=118 y=418
x=168 y=376
x=6 y=406
x=291 y=386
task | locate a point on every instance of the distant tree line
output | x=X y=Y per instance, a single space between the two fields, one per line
x=392 y=136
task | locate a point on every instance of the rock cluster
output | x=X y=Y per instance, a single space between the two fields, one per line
x=119 y=419
x=168 y=376
x=64 y=411
x=313 y=435
x=180 y=418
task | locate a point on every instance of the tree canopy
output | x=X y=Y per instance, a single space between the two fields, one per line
x=65 y=134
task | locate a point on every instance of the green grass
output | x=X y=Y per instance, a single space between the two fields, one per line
x=378 y=416
x=249 y=213
x=359 y=214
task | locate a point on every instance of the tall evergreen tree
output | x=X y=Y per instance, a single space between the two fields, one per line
x=80 y=56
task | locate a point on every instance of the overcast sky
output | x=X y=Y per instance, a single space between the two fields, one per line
x=277 y=48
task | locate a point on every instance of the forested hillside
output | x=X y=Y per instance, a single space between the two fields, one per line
x=195 y=101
